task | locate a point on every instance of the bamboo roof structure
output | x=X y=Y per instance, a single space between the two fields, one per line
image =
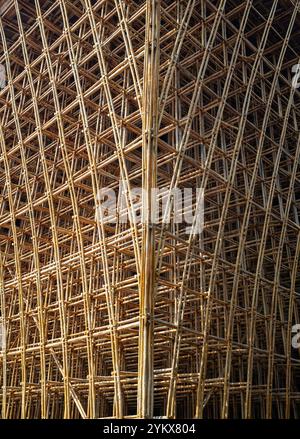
x=114 y=319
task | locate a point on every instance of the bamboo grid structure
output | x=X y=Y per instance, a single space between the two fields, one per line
x=122 y=320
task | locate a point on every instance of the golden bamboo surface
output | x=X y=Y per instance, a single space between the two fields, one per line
x=126 y=319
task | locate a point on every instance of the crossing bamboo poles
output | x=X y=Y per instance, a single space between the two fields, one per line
x=106 y=317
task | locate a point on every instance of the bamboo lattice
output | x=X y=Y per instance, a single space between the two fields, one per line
x=112 y=319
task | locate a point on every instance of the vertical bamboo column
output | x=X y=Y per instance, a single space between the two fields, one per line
x=149 y=159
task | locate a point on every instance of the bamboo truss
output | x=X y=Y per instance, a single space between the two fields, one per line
x=111 y=319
